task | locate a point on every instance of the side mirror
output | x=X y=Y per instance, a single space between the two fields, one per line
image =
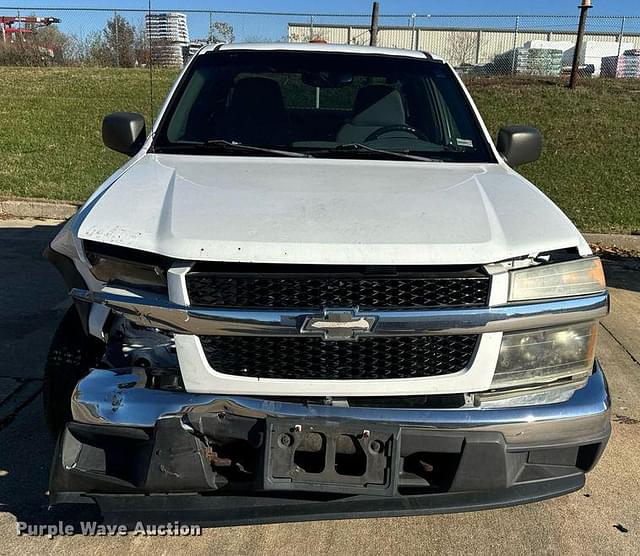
x=519 y=144
x=124 y=132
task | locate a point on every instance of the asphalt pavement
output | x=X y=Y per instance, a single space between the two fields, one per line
x=604 y=517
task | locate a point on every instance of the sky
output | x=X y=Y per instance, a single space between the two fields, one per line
x=275 y=27
x=601 y=7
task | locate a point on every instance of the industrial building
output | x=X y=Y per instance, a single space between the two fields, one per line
x=495 y=49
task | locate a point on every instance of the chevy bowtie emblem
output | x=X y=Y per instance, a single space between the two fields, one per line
x=338 y=324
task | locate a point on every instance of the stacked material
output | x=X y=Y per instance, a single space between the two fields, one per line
x=625 y=66
x=594 y=51
x=567 y=47
x=538 y=61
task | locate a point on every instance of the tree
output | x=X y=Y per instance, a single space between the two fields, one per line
x=219 y=31
x=462 y=47
x=141 y=46
x=120 y=39
x=51 y=39
x=97 y=52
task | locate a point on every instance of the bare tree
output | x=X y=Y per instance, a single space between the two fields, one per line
x=219 y=31
x=462 y=47
x=119 y=37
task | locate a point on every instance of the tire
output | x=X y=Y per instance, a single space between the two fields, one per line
x=71 y=354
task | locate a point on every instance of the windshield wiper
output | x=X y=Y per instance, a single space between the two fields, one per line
x=225 y=146
x=365 y=149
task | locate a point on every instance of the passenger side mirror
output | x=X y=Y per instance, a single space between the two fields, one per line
x=124 y=132
x=519 y=144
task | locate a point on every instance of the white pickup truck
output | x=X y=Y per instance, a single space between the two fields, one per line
x=319 y=290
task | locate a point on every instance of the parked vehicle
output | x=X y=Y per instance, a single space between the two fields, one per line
x=318 y=290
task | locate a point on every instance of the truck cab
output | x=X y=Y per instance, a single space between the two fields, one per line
x=319 y=289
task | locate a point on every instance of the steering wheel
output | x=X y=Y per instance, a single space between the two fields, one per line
x=396 y=127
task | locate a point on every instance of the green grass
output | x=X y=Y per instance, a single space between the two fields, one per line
x=591 y=160
x=50 y=144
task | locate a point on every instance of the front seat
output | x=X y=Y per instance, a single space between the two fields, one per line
x=375 y=106
x=257 y=115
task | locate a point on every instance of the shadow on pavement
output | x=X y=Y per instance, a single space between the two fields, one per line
x=24 y=473
x=33 y=299
x=622 y=272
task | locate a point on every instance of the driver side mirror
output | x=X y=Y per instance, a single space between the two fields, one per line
x=519 y=144
x=124 y=132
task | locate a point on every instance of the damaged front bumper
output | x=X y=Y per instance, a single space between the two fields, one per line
x=231 y=460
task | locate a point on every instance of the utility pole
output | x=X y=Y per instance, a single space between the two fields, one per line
x=374 y=24
x=584 y=8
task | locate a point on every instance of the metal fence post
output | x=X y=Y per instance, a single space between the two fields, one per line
x=515 y=45
x=210 y=23
x=621 y=35
x=414 y=44
x=115 y=25
x=311 y=27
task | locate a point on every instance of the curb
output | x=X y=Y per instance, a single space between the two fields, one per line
x=61 y=210
x=37 y=208
x=620 y=241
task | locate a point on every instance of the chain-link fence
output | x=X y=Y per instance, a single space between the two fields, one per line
x=475 y=45
x=86 y=63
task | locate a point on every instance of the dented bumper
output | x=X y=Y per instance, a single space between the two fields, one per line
x=130 y=446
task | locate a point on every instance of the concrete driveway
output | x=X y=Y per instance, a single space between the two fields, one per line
x=603 y=517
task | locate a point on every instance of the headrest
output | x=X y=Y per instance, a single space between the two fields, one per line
x=257 y=92
x=378 y=105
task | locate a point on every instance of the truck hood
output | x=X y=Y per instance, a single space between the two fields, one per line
x=290 y=210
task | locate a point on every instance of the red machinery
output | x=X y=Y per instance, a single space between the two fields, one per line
x=12 y=25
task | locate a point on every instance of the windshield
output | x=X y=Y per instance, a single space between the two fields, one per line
x=322 y=105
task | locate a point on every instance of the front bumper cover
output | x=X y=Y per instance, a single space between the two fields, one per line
x=130 y=447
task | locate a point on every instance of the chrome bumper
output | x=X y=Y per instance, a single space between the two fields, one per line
x=159 y=312
x=119 y=397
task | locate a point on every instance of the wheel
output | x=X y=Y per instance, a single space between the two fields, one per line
x=71 y=355
x=398 y=127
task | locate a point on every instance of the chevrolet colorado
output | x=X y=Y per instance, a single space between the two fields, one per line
x=317 y=290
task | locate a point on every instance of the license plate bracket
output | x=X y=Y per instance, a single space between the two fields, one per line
x=331 y=456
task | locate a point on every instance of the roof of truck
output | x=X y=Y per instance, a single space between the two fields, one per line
x=321 y=47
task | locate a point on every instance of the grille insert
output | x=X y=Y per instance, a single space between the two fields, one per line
x=330 y=290
x=313 y=358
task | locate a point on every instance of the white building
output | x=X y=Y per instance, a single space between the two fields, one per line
x=470 y=45
x=168 y=36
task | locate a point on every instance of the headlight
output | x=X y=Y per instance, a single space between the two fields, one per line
x=65 y=242
x=546 y=355
x=579 y=277
x=114 y=265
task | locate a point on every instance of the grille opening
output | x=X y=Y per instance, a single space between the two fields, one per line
x=286 y=286
x=436 y=401
x=351 y=460
x=311 y=453
x=236 y=460
x=588 y=456
x=314 y=358
x=432 y=470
